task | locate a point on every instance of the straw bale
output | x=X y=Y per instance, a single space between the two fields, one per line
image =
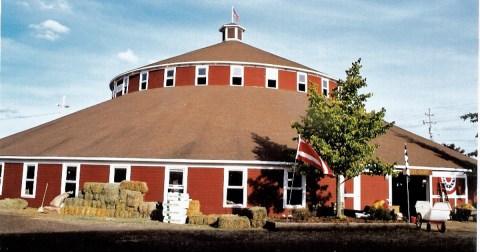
x=112 y=194
x=88 y=195
x=69 y=202
x=229 y=221
x=196 y=219
x=258 y=223
x=94 y=187
x=123 y=196
x=120 y=206
x=138 y=186
x=211 y=219
x=257 y=213
x=13 y=204
x=193 y=207
x=80 y=202
x=135 y=215
x=134 y=198
x=50 y=209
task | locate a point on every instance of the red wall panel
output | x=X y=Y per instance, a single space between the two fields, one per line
x=373 y=188
x=154 y=177
x=12 y=180
x=327 y=193
x=287 y=80
x=332 y=85
x=206 y=185
x=254 y=76
x=133 y=85
x=94 y=173
x=155 y=79
x=185 y=76
x=51 y=174
x=219 y=75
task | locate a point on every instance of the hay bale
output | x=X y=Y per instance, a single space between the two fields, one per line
x=112 y=194
x=14 y=204
x=94 y=187
x=257 y=213
x=69 y=202
x=137 y=186
x=196 y=219
x=230 y=221
x=211 y=219
x=134 y=199
x=193 y=208
x=258 y=223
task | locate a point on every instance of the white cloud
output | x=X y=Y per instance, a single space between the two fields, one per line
x=49 y=30
x=54 y=5
x=128 y=56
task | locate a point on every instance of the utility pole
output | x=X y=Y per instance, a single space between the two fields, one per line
x=63 y=106
x=429 y=122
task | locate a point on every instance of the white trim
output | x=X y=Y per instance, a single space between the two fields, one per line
x=24 y=180
x=271 y=74
x=303 y=187
x=140 y=81
x=327 y=87
x=165 y=77
x=111 y=177
x=220 y=62
x=2 y=172
x=226 y=173
x=401 y=167
x=232 y=75
x=126 y=80
x=64 y=177
x=198 y=76
x=305 y=82
x=166 y=184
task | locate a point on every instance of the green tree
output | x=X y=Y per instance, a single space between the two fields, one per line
x=340 y=129
x=473 y=119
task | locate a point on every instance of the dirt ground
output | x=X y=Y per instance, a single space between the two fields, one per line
x=30 y=230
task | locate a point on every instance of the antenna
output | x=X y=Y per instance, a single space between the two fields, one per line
x=429 y=122
x=63 y=106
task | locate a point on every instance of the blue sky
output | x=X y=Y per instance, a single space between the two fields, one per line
x=416 y=55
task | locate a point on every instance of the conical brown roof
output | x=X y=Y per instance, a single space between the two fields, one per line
x=201 y=123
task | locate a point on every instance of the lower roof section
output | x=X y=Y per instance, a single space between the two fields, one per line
x=210 y=123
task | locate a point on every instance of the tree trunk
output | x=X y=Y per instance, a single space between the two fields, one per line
x=339 y=198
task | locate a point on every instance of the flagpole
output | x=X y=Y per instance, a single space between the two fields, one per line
x=231 y=14
x=293 y=177
x=407 y=173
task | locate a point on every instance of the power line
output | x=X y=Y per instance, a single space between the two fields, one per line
x=429 y=122
x=29 y=116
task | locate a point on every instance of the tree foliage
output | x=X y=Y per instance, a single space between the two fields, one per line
x=340 y=128
x=473 y=119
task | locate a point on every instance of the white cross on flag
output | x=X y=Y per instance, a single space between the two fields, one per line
x=307 y=154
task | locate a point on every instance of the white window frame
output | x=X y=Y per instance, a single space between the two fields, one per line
x=64 y=177
x=243 y=187
x=271 y=74
x=140 y=81
x=2 y=165
x=174 y=69
x=304 y=82
x=111 y=178
x=325 y=88
x=303 y=188
x=125 y=85
x=232 y=70
x=166 y=184
x=199 y=76
x=118 y=87
x=24 y=180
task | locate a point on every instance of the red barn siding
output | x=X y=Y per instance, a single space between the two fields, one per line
x=155 y=79
x=133 y=85
x=331 y=85
x=219 y=75
x=12 y=180
x=185 y=76
x=287 y=80
x=154 y=177
x=373 y=188
x=206 y=185
x=316 y=80
x=254 y=76
x=327 y=193
x=51 y=174
x=265 y=188
x=94 y=173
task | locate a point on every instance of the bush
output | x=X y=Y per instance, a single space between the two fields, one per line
x=301 y=214
x=380 y=213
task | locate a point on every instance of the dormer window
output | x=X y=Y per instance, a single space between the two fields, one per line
x=236 y=75
x=143 y=81
x=232 y=32
x=302 y=82
x=201 y=75
x=271 y=78
x=325 y=87
x=125 y=85
x=169 y=77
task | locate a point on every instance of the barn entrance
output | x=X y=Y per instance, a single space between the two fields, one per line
x=419 y=190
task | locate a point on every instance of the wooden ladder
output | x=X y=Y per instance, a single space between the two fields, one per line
x=443 y=193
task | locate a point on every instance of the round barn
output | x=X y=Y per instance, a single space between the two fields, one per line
x=213 y=123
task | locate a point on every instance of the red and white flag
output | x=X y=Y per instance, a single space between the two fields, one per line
x=235 y=16
x=307 y=154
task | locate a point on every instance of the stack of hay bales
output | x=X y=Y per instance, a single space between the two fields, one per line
x=124 y=200
x=257 y=216
x=193 y=213
x=13 y=204
x=231 y=221
x=254 y=217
